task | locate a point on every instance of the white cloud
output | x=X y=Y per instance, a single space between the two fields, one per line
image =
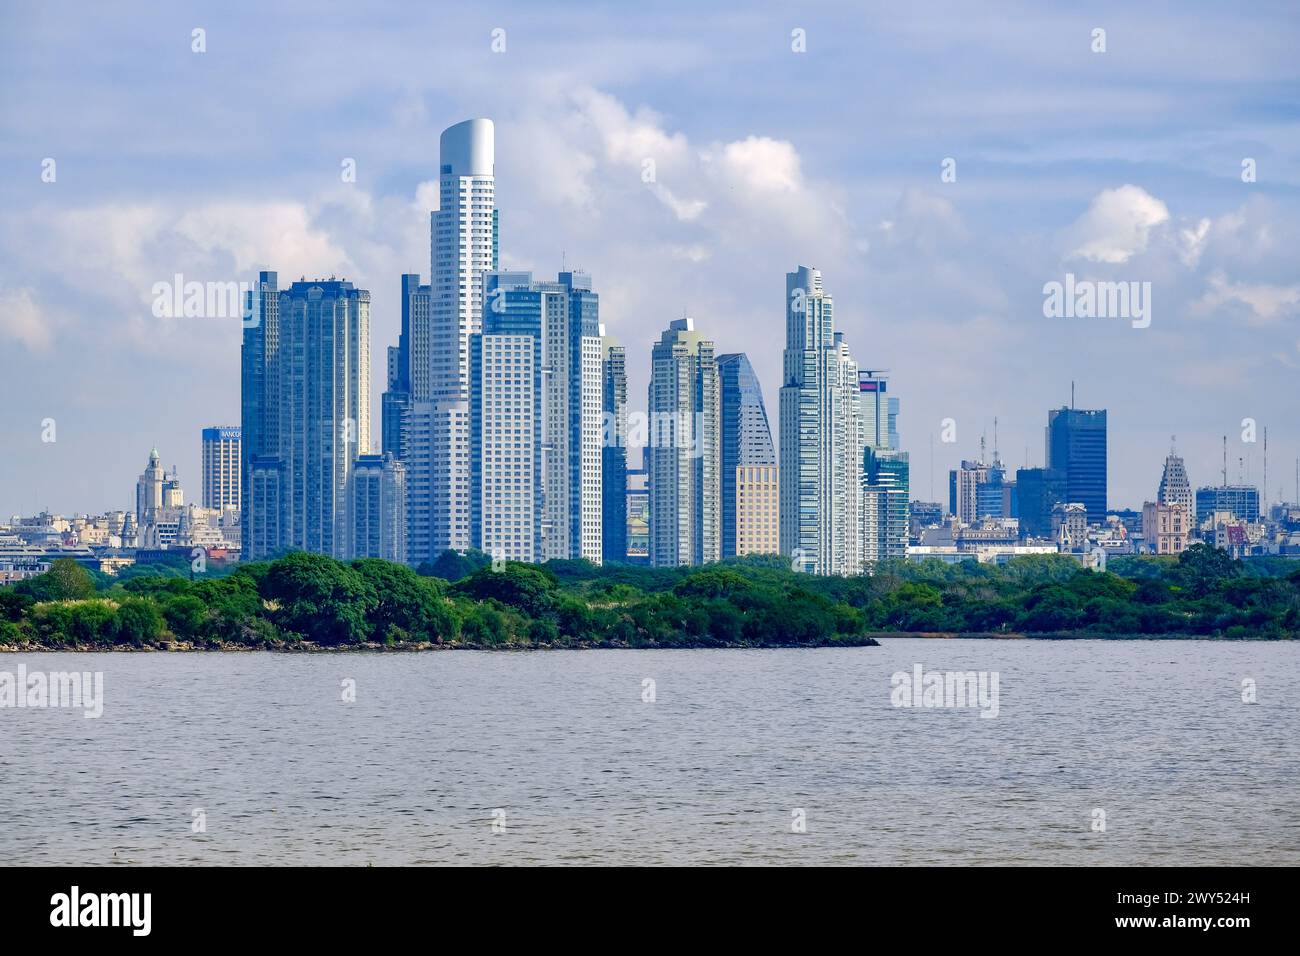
x=1192 y=240
x=1117 y=225
x=23 y=321
x=761 y=165
x=629 y=138
x=275 y=234
x=110 y=256
x=683 y=209
x=1267 y=304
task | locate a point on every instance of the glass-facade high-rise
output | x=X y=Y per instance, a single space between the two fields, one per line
x=536 y=394
x=821 y=449
x=258 y=396
x=312 y=397
x=1076 y=445
x=505 y=415
x=613 y=453
x=682 y=454
x=463 y=247
x=746 y=440
x=885 y=512
x=573 y=355
x=1241 y=501
x=409 y=365
x=990 y=493
x=1038 y=491
x=886 y=508
x=378 y=508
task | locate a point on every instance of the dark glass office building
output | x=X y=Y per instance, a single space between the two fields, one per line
x=1076 y=445
x=1242 y=501
x=746 y=437
x=613 y=454
x=1038 y=490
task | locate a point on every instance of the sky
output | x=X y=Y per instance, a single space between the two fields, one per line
x=940 y=163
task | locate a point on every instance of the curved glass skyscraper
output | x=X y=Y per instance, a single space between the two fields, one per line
x=749 y=471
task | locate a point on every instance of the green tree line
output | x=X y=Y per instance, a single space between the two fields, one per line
x=758 y=601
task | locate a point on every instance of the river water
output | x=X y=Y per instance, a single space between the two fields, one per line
x=1101 y=752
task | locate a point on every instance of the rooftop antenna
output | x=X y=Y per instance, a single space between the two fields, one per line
x=997 y=459
x=1264 y=490
x=1071 y=394
x=982 y=437
x=1225 y=461
x=932 y=466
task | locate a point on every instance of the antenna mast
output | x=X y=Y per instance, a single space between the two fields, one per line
x=1264 y=492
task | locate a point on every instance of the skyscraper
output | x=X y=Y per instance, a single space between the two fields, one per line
x=1038 y=491
x=505 y=420
x=964 y=484
x=682 y=455
x=573 y=430
x=316 y=389
x=613 y=453
x=877 y=411
x=259 y=388
x=221 y=467
x=463 y=246
x=1175 y=486
x=750 y=493
x=1076 y=445
x=821 y=451
x=885 y=512
x=547 y=394
x=409 y=366
x=377 y=508
x=262 y=529
x=991 y=495
x=418 y=427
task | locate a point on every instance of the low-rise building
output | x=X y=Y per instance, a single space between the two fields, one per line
x=1166 y=528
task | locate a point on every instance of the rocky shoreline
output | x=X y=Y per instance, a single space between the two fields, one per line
x=408 y=647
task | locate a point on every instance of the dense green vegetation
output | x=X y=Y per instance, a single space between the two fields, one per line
x=460 y=600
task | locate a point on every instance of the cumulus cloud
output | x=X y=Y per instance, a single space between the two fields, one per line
x=1117 y=225
x=599 y=157
x=281 y=234
x=629 y=137
x=109 y=257
x=1265 y=304
x=760 y=165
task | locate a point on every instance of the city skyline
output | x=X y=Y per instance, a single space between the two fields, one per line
x=921 y=267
